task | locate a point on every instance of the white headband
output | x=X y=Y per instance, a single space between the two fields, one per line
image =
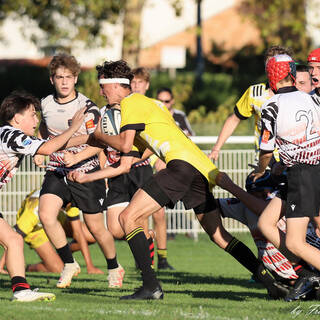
x=114 y=80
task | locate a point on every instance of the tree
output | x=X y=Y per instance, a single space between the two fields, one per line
x=65 y=21
x=281 y=22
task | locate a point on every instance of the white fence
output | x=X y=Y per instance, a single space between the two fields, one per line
x=179 y=220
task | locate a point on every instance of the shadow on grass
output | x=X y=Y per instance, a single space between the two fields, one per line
x=192 y=278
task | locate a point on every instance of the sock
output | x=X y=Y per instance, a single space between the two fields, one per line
x=65 y=254
x=151 y=249
x=162 y=254
x=140 y=249
x=19 y=283
x=112 y=263
x=246 y=257
x=301 y=271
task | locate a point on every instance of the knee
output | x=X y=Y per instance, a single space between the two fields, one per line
x=15 y=240
x=293 y=245
x=124 y=218
x=116 y=231
x=47 y=219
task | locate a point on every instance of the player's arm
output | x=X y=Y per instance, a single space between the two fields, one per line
x=109 y=172
x=229 y=126
x=79 y=237
x=253 y=203
x=59 y=141
x=122 y=142
x=71 y=159
x=264 y=160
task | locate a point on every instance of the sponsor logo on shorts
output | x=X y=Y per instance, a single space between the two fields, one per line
x=101 y=201
x=293 y=206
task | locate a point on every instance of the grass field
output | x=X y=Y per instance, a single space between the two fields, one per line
x=207 y=284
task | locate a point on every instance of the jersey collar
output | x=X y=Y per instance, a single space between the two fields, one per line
x=287 y=89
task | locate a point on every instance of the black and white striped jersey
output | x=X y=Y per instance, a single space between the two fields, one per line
x=291 y=122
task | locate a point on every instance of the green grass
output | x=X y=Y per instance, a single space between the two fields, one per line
x=207 y=284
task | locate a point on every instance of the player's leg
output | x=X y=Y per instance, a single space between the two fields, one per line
x=95 y=224
x=211 y=222
x=49 y=206
x=132 y=219
x=113 y=223
x=268 y=225
x=51 y=261
x=160 y=228
x=13 y=243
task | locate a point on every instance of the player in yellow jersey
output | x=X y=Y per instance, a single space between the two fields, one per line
x=28 y=225
x=189 y=176
x=249 y=105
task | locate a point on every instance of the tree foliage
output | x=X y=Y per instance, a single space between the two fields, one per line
x=281 y=22
x=65 y=21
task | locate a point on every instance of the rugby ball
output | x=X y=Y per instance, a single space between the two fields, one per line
x=110 y=122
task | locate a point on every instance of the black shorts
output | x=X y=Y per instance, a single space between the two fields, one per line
x=303 y=198
x=88 y=197
x=181 y=181
x=123 y=187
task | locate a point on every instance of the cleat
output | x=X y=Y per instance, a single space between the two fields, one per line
x=70 y=270
x=115 y=277
x=145 y=294
x=164 y=265
x=302 y=288
x=28 y=295
x=277 y=291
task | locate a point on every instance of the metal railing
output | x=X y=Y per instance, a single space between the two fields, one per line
x=179 y=220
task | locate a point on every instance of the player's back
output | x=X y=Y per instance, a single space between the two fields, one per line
x=157 y=130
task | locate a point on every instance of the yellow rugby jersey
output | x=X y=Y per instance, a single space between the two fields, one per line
x=250 y=104
x=157 y=130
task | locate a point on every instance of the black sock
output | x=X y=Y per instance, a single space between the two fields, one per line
x=246 y=257
x=19 y=283
x=301 y=271
x=151 y=249
x=112 y=263
x=140 y=249
x=65 y=254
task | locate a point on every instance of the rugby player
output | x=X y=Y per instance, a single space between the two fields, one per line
x=291 y=122
x=248 y=105
x=56 y=191
x=189 y=176
x=30 y=228
x=140 y=84
x=18 y=121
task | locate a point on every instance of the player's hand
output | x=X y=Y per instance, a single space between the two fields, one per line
x=223 y=180
x=98 y=133
x=8 y=164
x=78 y=118
x=256 y=175
x=77 y=176
x=94 y=270
x=38 y=160
x=69 y=159
x=214 y=155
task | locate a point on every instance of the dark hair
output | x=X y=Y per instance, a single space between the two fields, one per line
x=115 y=69
x=165 y=89
x=141 y=73
x=302 y=68
x=64 y=60
x=16 y=102
x=275 y=50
